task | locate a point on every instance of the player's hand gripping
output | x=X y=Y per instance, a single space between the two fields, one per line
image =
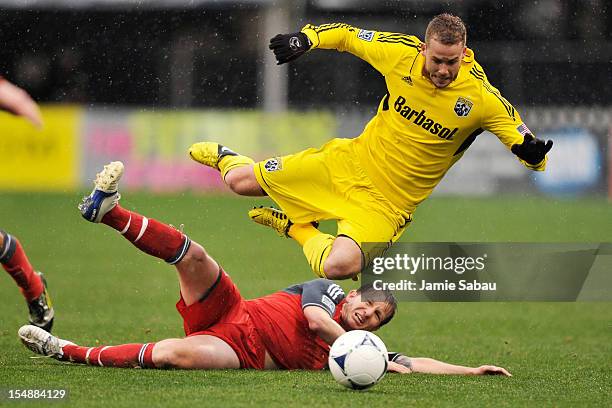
x=287 y=47
x=532 y=150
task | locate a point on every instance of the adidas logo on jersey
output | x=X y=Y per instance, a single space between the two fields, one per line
x=407 y=80
x=421 y=119
x=334 y=291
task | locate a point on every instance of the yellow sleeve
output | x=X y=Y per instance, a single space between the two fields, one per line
x=380 y=49
x=501 y=119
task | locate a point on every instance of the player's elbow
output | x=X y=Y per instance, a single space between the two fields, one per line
x=315 y=325
x=317 y=320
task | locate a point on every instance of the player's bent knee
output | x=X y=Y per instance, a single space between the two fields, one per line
x=195 y=254
x=242 y=181
x=342 y=267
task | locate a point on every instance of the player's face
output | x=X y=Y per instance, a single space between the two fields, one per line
x=358 y=315
x=442 y=61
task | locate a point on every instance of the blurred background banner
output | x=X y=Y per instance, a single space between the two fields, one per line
x=153 y=145
x=41 y=160
x=575 y=165
x=75 y=143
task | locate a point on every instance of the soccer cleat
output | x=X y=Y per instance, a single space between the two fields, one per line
x=209 y=153
x=271 y=217
x=104 y=197
x=42 y=342
x=41 y=308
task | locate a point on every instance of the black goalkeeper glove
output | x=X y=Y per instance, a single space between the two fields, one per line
x=288 y=47
x=532 y=150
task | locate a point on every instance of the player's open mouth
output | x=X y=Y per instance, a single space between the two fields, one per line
x=358 y=318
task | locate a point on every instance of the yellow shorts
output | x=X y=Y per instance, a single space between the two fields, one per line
x=329 y=184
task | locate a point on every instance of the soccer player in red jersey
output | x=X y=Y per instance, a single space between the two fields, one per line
x=12 y=256
x=289 y=329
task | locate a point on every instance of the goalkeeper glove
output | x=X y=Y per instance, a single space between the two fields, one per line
x=532 y=150
x=288 y=47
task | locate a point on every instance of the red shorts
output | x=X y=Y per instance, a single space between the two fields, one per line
x=222 y=313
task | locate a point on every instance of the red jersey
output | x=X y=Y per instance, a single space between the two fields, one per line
x=280 y=321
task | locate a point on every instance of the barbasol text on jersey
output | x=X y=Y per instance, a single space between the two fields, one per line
x=421 y=119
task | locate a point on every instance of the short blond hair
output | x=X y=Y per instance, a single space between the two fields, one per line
x=447 y=29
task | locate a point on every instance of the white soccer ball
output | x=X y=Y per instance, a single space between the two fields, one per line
x=358 y=359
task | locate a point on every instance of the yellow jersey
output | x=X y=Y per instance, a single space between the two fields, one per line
x=419 y=130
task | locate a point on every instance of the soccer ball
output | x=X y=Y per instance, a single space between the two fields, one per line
x=358 y=359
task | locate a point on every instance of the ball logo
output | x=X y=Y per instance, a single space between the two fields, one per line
x=367 y=341
x=463 y=107
x=273 y=165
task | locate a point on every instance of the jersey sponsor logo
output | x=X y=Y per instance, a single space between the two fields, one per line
x=421 y=119
x=274 y=164
x=334 y=291
x=328 y=302
x=365 y=35
x=463 y=106
x=523 y=129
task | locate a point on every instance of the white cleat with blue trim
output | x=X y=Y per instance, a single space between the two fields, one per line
x=104 y=196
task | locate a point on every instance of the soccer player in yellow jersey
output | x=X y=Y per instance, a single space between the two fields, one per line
x=438 y=101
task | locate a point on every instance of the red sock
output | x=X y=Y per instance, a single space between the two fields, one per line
x=16 y=263
x=148 y=235
x=124 y=356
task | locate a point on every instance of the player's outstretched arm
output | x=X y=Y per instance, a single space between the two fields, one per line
x=431 y=366
x=408 y=365
x=17 y=101
x=321 y=323
x=382 y=50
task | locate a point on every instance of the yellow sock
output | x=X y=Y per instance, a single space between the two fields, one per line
x=302 y=232
x=317 y=249
x=228 y=163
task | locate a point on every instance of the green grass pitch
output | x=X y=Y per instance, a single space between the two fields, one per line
x=106 y=292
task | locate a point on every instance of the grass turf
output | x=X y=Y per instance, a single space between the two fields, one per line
x=105 y=292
